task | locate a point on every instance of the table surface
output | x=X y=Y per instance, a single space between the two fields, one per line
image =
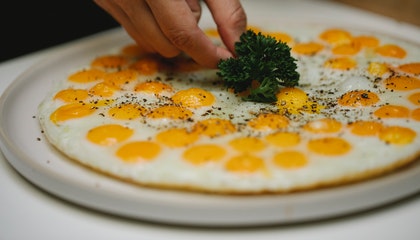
x=30 y=213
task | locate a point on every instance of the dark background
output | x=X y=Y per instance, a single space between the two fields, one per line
x=28 y=26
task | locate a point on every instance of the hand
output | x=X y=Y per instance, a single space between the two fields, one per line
x=169 y=27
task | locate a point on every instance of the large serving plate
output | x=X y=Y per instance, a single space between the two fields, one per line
x=25 y=147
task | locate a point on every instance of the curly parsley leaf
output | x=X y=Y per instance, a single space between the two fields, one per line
x=263 y=59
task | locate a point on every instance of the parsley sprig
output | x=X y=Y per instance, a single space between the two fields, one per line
x=261 y=58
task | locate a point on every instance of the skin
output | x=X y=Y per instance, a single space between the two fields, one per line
x=172 y=26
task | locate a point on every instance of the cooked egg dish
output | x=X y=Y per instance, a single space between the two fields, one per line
x=169 y=123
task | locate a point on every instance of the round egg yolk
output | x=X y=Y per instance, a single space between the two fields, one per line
x=336 y=36
x=413 y=68
x=366 y=41
x=295 y=100
x=365 y=128
x=126 y=111
x=268 y=121
x=402 y=83
x=212 y=32
x=415 y=98
x=309 y=48
x=280 y=36
x=245 y=163
x=214 y=127
x=392 y=111
x=146 y=66
x=377 y=69
x=103 y=89
x=86 y=76
x=172 y=112
x=193 y=97
x=325 y=125
x=110 y=61
x=341 y=63
x=109 y=134
x=138 y=151
x=283 y=139
x=346 y=49
x=391 y=50
x=204 y=153
x=290 y=159
x=397 y=135
x=415 y=114
x=247 y=144
x=120 y=78
x=71 y=111
x=176 y=137
x=154 y=87
x=330 y=146
x=358 y=98
x=72 y=95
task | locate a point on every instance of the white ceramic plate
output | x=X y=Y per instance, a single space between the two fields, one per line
x=30 y=154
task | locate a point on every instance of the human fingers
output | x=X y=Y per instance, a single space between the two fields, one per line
x=230 y=18
x=178 y=23
x=137 y=19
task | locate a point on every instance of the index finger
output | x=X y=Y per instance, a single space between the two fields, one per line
x=178 y=23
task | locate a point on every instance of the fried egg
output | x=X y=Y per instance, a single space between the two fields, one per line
x=169 y=123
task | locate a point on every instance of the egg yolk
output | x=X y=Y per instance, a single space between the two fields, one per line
x=247 y=144
x=71 y=111
x=268 y=121
x=212 y=32
x=336 y=36
x=415 y=114
x=365 y=128
x=346 y=49
x=295 y=100
x=397 y=135
x=290 y=159
x=391 y=50
x=366 y=41
x=86 y=76
x=103 y=89
x=146 y=66
x=153 y=87
x=415 y=98
x=176 y=137
x=330 y=146
x=72 y=95
x=341 y=63
x=325 y=125
x=204 y=153
x=280 y=36
x=377 y=69
x=402 y=83
x=110 y=134
x=309 y=48
x=110 y=61
x=358 y=98
x=413 y=68
x=392 y=111
x=193 y=97
x=138 y=151
x=172 y=112
x=214 y=127
x=126 y=111
x=245 y=163
x=120 y=78
x=283 y=139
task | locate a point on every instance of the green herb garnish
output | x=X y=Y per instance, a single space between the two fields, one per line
x=261 y=58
